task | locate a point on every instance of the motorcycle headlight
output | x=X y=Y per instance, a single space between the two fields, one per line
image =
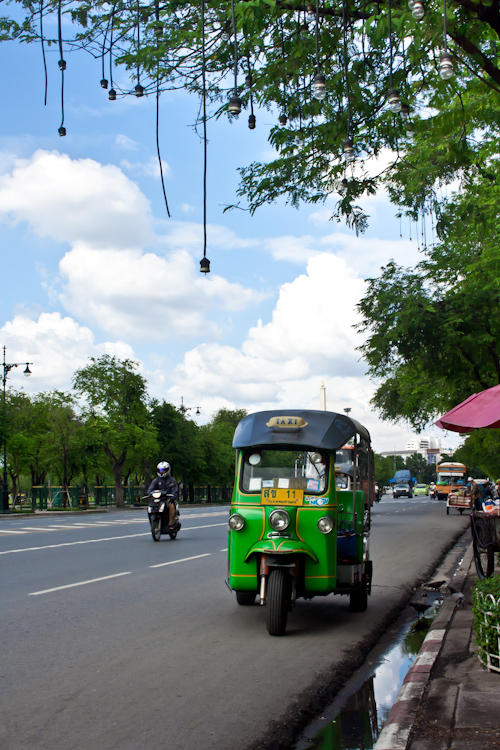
x=279 y=520
x=162 y=507
x=325 y=524
x=236 y=522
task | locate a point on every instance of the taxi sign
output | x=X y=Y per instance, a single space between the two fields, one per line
x=286 y=423
x=280 y=496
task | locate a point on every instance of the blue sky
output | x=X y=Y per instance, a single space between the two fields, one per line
x=93 y=265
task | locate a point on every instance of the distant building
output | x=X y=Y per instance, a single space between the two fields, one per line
x=429 y=448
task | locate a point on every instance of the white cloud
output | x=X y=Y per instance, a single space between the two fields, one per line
x=75 y=201
x=189 y=235
x=150 y=168
x=56 y=346
x=310 y=336
x=138 y=295
x=125 y=142
x=187 y=209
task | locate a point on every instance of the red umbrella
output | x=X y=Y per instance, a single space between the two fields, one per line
x=479 y=410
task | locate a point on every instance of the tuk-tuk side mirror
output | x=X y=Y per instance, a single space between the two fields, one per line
x=254 y=459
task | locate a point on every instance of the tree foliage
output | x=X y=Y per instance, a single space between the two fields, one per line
x=360 y=48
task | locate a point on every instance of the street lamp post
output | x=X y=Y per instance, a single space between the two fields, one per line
x=6 y=369
x=184 y=409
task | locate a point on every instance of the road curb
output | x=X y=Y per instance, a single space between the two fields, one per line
x=399 y=723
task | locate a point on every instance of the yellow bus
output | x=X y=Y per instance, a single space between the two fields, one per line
x=450 y=476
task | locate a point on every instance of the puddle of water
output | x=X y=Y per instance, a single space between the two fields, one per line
x=363 y=715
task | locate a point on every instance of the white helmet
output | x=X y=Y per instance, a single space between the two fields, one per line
x=163 y=469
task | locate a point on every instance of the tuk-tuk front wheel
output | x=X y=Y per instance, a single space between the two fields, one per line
x=278 y=595
x=358 y=600
x=245 y=598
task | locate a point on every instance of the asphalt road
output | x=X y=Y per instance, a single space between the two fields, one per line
x=110 y=640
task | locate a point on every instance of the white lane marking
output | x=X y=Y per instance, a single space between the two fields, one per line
x=80 y=583
x=184 y=559
x=37 y=528
x=104 y=539
x=208 y=526
x=9 y=531
x=71 y=544
x=223 y=550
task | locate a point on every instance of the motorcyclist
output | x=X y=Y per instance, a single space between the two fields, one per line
x=166 y=483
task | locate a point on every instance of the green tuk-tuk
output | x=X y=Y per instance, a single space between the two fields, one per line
x=292 y=532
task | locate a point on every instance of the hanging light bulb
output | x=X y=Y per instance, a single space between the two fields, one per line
x=418 y=10
x=405 y=111
x=319 y=86
x=349 y=151
x=104 y=83
x=112 y=95
x=204 y=265
x=226 y=34
x=62 y=64
x=300 y=137
x=411 y=3
x=234 y=105
x=394 y=101
x=249 y=81
x=62 y=131
x=445 y=66
x=304 y=31
x=139 y=90
x=159 y=29
x=251 y=122
x=282 y=119
x=311 y=10
x=343 y=186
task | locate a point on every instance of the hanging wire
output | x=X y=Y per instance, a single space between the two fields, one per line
x=157 y=11
x=111 y=46
x=390 y=43
x=317 y=36
x=43 y=53
x=235 y=50
x=62 y=66
x=348 y=93
x=445 y=33
x=203 y=75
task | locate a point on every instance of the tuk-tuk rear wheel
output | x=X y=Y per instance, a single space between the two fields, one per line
x=278 y=595
x=245 y=598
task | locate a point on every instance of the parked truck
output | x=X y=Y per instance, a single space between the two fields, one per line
x=403 y=484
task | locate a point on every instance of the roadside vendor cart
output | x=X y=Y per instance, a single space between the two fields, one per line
x=459 y=500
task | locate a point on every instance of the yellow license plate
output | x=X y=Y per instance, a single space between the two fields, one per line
x=271 y=496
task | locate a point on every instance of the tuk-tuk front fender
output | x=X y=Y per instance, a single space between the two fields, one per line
x=281 y=547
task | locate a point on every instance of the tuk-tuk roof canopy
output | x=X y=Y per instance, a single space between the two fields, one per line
x=320 y=429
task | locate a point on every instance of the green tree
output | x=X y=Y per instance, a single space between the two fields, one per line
x=362 y=52
x=420 y=469
x=217 y=445
x=116 y=400
x=481 y=454
x=433 y=332
x=386 y=467
x=178 y=442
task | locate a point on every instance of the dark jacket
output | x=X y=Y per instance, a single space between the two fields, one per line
x=165 y=484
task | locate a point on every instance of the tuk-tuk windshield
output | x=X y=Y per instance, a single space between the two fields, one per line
x=305 y=470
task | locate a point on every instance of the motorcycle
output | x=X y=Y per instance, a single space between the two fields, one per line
x=159 y=516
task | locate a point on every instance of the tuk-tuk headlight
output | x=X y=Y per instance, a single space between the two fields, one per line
x=279 y=520
x=325 y=524
x=236 y=522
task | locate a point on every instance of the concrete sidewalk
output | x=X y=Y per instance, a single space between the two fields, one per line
x=448 y=700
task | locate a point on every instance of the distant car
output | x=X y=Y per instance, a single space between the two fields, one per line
x=402 y=490
x=421 y=489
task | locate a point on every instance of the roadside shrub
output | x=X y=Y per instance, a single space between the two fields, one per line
x=486 y=621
